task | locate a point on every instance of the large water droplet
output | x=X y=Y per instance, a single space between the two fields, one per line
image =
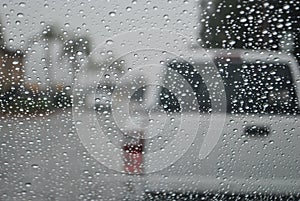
x=112 y=14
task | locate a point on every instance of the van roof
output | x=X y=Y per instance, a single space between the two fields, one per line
x=244 y=54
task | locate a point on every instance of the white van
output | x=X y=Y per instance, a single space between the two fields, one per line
x=252 y=148
x=223 y=126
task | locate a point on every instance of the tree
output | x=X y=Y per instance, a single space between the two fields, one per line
x=256 y=24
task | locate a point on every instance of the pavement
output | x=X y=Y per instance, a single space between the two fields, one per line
x=42 y=158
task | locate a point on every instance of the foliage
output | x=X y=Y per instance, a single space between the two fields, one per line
x=18 y=102
x=251 y=24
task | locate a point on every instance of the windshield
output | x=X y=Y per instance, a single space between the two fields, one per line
x=136 y=100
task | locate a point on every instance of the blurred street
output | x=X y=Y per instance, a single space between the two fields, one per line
x=42 y=159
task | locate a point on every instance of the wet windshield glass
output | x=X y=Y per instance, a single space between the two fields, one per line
x=137 y=100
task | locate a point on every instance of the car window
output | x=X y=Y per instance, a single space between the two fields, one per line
x=189 y=73
x=262 y=88
x=251 y=88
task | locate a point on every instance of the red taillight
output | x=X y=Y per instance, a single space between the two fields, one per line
x=133 y=157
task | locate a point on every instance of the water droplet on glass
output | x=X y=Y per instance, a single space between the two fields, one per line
x=112 y=14
x=243 y=20
x=20 y=15
x=109 y=42
x=22 y=4
x=35 y=166
x=27 y=185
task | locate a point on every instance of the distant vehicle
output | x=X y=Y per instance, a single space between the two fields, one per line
x=101 y=99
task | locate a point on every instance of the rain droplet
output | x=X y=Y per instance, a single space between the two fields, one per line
x=20 y=15
x=232 y=42
x=112 y=14
x=243 y=20
x=35 y=166
x=286 y=7
x=22 y=4
x=27 y=184
x=109 y=42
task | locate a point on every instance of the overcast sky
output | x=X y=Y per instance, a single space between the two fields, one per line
x=98 y=19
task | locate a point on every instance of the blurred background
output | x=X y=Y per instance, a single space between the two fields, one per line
x=49 y=41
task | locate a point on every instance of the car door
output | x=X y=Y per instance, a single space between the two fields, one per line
x=259 y=147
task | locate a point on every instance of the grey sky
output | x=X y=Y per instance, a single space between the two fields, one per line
x=23 y=19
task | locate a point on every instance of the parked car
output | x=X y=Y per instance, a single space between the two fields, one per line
x=224 y=126
x=257 y=151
